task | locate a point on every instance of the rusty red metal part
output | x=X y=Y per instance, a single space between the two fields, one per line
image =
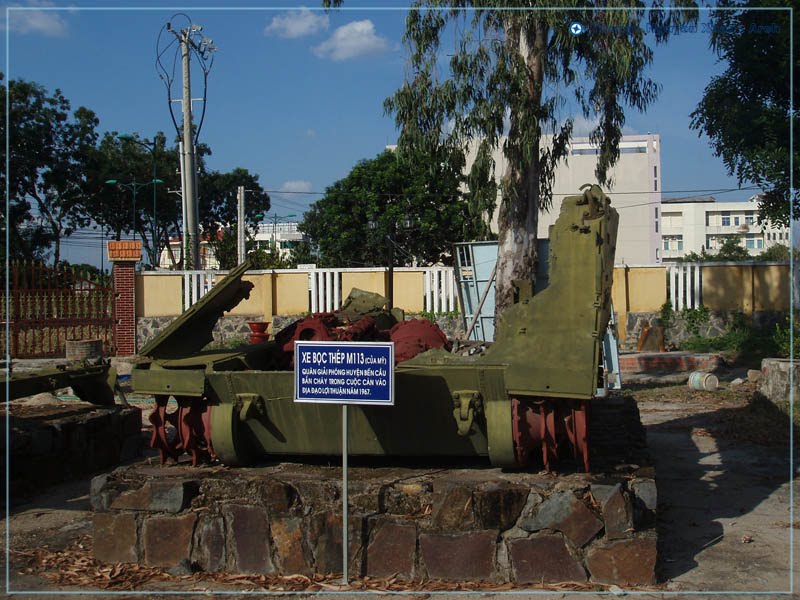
x=414 y=337
x=192 y=430
x=549 y=425
x=410 y=337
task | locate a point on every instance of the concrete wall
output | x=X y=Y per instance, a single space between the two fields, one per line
x=728 y=287
x=746 y=287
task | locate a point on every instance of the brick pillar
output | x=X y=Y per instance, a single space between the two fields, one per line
x=124 y=255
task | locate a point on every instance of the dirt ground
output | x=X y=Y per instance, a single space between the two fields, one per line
x=723 y=474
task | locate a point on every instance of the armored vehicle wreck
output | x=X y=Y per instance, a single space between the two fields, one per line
x=525 y=401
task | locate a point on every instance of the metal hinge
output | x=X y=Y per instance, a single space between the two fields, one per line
x=465 y=403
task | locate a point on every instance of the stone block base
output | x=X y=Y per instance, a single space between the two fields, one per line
x=776 y=377
x=52 y=443
x=465 y=524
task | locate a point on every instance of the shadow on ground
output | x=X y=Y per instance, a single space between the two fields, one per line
x=721 y=477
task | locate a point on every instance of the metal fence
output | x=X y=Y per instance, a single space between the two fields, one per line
x=684 y=285
x=45 y=307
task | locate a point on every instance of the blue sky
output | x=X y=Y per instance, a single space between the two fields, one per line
x=296 y=95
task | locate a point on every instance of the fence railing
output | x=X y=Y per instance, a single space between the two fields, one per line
x=440 y=290
x=196 y=284
x=47 y=306
x=325 y=286
x=684 y=285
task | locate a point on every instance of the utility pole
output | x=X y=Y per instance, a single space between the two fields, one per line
x=190 y=193
x=240 y=225
x=191 y=44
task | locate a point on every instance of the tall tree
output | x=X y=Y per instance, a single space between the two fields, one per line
x=49 y=146
x=510 y=76
x=745 y=110
x=111 y=207
x=218 y=203
x=390 y=201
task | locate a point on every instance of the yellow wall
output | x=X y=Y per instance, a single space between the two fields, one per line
x=158 y=295
x=365 y=280
x=635 y=289
x=728 y=287
x=619 y=298
x=290 y=294
x=260 y=300
x=647 y=289
x=771 y=289
x=409 y=291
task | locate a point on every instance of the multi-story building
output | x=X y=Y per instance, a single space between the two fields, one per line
x=635 y=191
x=691 y=224
x=281 y=236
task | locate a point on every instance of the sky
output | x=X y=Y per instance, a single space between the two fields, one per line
x=295 y=93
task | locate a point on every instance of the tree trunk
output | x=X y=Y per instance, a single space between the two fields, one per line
x=519 y=210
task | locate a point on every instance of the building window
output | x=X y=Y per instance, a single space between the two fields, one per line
x=680 y=243
x=736 y=220
x=759 y=243
x=656 y=219
x=726 y=218
x=750 y=217
x=666 y=243
x=750 y=243
x=655 y=185
x=655 y=171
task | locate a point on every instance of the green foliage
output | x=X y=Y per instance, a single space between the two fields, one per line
x=505 y=85
x=431 y=316
x=741 y=343
x=744 y=110
x=112 y=208
x=225 y=245
x=387 y=190
x=667 y=315
x=787 y=339
x=777 y=253
x=731 y=250
x=48 y=158
x=695 y=317
x=217 y=197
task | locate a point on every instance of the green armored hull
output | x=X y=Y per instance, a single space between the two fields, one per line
x=526 y=397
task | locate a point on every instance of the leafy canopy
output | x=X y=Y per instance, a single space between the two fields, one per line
x=515 y=79
x=47 y=185
x=745 y=110
x=362 y=214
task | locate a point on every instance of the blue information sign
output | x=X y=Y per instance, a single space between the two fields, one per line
x=344 y=372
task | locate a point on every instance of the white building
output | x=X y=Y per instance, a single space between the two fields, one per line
x=282 y=236
x=635 y=192
x=691 y=224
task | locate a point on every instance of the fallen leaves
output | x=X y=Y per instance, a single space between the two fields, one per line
x=75 y=566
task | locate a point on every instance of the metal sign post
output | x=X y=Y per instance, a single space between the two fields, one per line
x=345 y=513
x=344 y=373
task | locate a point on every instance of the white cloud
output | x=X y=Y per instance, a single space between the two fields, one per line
x=357 y=38
x=296 y=185
x=297 y=23
x=26 y=19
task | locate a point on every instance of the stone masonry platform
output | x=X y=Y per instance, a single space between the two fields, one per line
x=58 y=441
x=472 y=523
